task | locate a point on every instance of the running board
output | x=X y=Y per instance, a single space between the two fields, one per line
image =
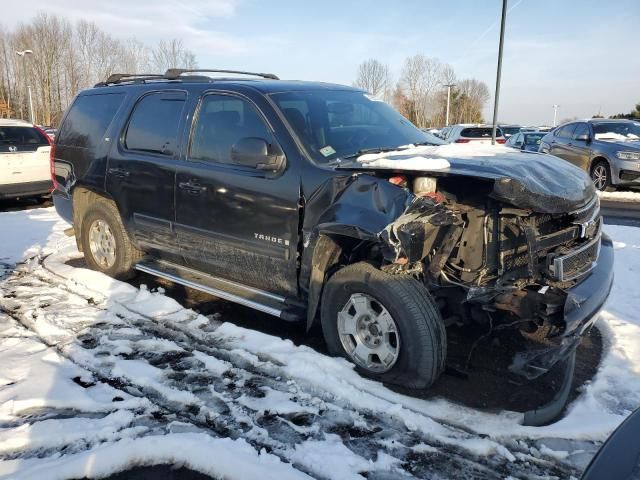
x=234 y=292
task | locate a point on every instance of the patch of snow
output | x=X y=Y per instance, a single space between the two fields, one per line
x=620 y=196
x=217 y=457
x=432 y=157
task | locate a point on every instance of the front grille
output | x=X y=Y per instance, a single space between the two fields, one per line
x=559 y=247
x=575 y=263
x=587 y=213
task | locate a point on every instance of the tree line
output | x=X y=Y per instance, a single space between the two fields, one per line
x=68 y=57
x=420 y=93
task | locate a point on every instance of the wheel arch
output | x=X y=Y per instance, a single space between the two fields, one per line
x=331 y=251
x=83 y=197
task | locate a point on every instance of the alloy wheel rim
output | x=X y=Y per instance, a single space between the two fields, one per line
x=599 y=177
x=368 y=333
x=102 y=244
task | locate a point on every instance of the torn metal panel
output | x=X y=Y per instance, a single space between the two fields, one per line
x=424 y=226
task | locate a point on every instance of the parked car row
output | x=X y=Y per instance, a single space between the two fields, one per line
x=608 y=150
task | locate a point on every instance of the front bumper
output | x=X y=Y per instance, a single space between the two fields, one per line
x=582 y=305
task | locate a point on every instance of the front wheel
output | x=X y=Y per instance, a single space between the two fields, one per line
x=387 y=325
x=601 y=176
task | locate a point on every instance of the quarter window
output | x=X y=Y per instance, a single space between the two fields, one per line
x=88 y=120
x=222 y=121
x=581 y=129
x=153 y=126
x=566 y=131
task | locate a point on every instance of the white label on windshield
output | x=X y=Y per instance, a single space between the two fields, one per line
x=327 y=151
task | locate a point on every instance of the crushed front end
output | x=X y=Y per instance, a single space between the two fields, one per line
x=543 y=276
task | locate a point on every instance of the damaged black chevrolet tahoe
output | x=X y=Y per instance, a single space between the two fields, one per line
x=317 y=203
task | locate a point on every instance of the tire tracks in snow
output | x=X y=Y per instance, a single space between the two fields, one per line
x=225 y=396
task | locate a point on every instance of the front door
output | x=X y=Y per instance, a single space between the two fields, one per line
x=559 y=144
x=236 y=221
x=141 y=168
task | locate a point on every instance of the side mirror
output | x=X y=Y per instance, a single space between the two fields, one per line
x=583 y=138
x=257 y=153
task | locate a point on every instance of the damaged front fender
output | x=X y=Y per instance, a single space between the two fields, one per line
x=361 y=209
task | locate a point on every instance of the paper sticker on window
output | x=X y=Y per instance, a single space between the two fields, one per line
x=327 y=151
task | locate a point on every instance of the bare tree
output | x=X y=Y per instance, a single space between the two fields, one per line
x=375 y=78
x=68 y=57
x=421 y=77
x=171 y=54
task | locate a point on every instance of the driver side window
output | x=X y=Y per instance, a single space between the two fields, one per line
x=221 y=121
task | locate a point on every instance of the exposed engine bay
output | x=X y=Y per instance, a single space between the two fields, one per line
x=488 y=262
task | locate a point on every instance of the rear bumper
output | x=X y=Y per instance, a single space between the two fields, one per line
x=64 y=205
x=28 y=189
x=582 y=305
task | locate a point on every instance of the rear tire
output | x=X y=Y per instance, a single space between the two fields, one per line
x=420 y=346
x=105 y=243
x=601 y=176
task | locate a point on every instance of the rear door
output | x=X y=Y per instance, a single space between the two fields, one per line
x=236 y=221
x=141 y=167
x=24 y=155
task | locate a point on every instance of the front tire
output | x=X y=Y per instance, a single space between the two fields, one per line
x=105 y=243
x=601 y=176
x=388 y=325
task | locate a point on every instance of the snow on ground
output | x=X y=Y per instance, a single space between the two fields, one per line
x=626 y=196
x=103 y=376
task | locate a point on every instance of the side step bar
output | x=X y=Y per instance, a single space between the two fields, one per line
x=251 y=297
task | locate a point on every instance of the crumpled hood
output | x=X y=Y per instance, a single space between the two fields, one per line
x=530 y=180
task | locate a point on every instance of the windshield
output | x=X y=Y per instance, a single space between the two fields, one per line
x=617 y=130
x=334 y=124
x=533 y=139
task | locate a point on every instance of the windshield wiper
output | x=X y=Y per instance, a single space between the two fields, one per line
x=364 y=151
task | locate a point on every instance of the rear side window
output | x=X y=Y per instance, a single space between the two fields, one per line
x=22 y=136
x=566 y=131
x=222 y=121
x=479 y=132
x=153 y=126
x=88 y=120
x=581 y=129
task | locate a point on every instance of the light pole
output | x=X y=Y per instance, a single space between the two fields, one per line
x=499 y=73
x=27 y=88
x=555 y=114
x=448 y=85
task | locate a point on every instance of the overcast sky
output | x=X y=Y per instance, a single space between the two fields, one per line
x=581 y=54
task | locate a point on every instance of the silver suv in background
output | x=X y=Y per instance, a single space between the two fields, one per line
x=609 y=150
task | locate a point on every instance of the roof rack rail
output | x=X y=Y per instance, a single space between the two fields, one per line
x=127 y=77
x=174 y=73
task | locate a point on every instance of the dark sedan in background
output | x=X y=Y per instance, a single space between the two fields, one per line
x=609 y=150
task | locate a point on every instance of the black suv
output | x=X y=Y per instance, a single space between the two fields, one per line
x=315 y=202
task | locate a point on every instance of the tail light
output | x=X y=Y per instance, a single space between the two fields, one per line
x=462 y=140
x=501 y=140
x=52 y=157
x=52 y=166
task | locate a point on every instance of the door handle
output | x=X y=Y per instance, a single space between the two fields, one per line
x=119 y=172
x=192 y=187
